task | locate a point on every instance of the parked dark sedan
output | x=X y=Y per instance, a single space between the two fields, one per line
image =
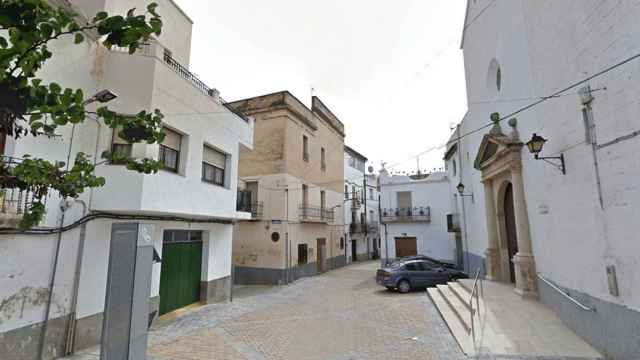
x=428 y=258
x=414 y=274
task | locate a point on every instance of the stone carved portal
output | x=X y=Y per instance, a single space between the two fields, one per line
x=508 y=256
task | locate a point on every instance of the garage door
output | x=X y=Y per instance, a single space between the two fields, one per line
x=181 y=268
x=406 y=246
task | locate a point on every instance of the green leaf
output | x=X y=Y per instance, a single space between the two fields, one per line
x=55 y=88
x=100 y=16
x=78 y=38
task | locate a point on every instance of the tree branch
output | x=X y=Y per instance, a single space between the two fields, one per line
x=42 y=42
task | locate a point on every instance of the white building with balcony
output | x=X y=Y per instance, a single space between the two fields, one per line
x=414 y=213
x=190 y=205
x=360 y=208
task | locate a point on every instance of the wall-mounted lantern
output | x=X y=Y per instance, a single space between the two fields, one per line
x=535 y=146
x=460 y=189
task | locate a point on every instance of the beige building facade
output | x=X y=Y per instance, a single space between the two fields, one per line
x=292 y=184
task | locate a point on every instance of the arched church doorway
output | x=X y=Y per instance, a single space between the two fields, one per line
x=511 y=232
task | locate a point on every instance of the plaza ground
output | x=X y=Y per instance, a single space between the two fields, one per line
x=339 y=315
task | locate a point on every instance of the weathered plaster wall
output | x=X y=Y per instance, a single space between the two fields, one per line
x=176 y=29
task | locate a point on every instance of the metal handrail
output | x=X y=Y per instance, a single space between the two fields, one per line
x=576 y=302
x=474 y=294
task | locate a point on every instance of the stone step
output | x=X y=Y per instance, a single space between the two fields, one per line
x=461 y=293
x=457 y=305
x=455 y=325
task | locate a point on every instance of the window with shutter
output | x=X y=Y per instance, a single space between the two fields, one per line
x=170 y=150
x=214 y=164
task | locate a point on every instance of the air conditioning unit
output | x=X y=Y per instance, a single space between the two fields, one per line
x=453 y=223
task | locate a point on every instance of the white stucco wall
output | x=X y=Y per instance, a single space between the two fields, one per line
x=143 y=82
x=432 y=237
x=176 y=24
x=543 y=47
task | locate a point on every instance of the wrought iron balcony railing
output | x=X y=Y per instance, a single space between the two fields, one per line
x=14 y=202
x=254 y=208
x=373 y=227
x=315 y=214
x=415 y=214
x=189 y=76
x=245 y=204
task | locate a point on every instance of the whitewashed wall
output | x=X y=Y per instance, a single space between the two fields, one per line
x=543 y=46
x=432 y=237
x=143 y=82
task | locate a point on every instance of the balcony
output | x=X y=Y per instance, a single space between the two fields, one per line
x=190 y=77
x=405 y=215
x=153 y=49
x=317 y=214
x=373 y=227
x=13 y=201
x=244 y=204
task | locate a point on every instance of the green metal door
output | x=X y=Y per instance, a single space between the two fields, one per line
x=181 y=267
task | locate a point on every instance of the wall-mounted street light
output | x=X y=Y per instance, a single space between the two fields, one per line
x=102 y=96
x=460 y=189
x=535 y=146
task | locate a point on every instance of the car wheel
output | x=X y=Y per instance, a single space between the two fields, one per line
x=404 y=286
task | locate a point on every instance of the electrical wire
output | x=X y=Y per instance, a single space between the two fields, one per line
x=526 y=107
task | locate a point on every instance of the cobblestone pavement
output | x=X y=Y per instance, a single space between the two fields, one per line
x=340 y=315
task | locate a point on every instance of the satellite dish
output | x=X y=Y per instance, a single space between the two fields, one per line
x=370 y=168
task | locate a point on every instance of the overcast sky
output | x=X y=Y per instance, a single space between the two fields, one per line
x=391 y=71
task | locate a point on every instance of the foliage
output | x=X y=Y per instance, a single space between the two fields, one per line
x=30 y=107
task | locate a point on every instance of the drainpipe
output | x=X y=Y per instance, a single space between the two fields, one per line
x=71 y=325
x=464 y=213
x=364 y=195
x=287 y=246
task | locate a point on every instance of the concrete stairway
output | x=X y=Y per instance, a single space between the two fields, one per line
x=452 y=301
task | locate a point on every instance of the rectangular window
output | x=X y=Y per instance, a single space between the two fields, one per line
x=404 y=199
x=323 y=160
x=213 y=166
x=323 y=201
x=346 y=191
x=170 y=150
x=302 y=253
x=371 y=194
x=305 y=148
x=120 y=146
x=182 y=236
